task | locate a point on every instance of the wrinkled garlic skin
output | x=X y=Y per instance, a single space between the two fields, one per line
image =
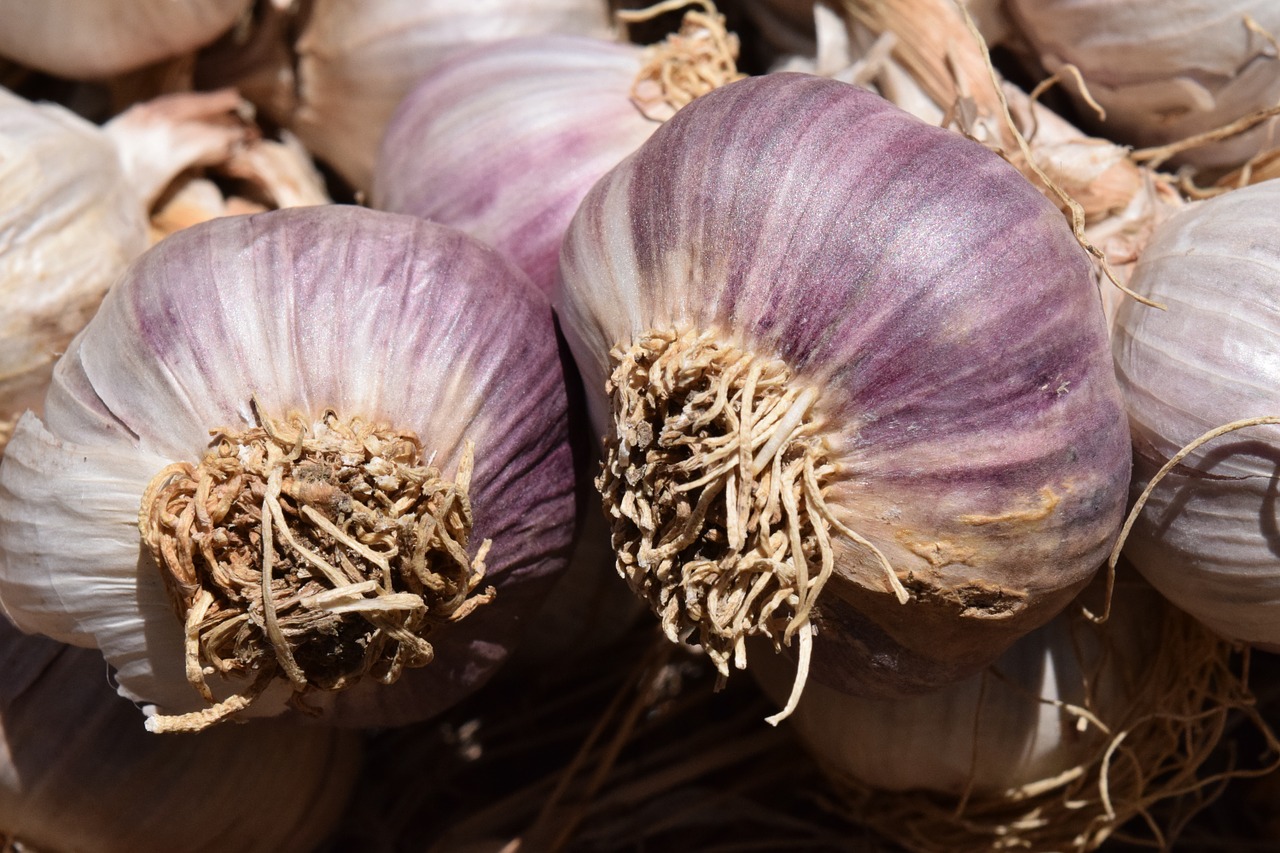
x=369 y=314
x=69 y=222
x=504 y=140
x=1165 y=71
x=1206 y=537
x=944 y=315
x=77 y=772
x=357 y=60
x=83 y=41
x=999 y=730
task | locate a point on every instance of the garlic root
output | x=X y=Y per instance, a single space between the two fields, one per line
x=317 y=554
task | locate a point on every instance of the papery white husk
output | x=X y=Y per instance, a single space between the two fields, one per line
x=77 y=772
x=1165 y=71
x=371 y=314
x=81 y=40
x=356 y=61
x=1207 y=535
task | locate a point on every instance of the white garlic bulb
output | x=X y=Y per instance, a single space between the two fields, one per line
x=80 y=40
x=79 y=774
x=69 y=221
x=1165 y=71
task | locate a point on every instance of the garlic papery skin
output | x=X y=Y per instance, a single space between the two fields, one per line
x=1206 y=534
x=360 y=411
x=1076 y=729
x=912 y=340
x=91 y=40
x=69 y=222
x=1165 y=71
x=357 y=60
x=504 y=140
x=77 y=772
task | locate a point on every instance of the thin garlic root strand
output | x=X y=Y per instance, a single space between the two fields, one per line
x=315 y=554
x=713 y=482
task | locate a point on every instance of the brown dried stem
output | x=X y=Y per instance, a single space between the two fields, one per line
x=316 y=554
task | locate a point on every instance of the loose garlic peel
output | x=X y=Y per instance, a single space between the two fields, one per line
x=316 y=554
x=713 y=479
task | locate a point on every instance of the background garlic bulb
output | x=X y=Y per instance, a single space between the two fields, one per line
x=1206 y=536
x=79 y=773
x=312 y=415
x=1165 y=71
x=504 y=140
x=88 y=40
x=69 y=222
x=354 y=60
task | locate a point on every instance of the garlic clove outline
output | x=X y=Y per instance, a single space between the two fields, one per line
x=378 y=315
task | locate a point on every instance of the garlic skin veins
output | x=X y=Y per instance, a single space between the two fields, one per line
x=928 y=342
x=1165 y=71
x=356 y=61
x=77 y=772
x=90 y=40
x=503 y=141
x=69 y=222
x=1206 y=535
x=232 y=322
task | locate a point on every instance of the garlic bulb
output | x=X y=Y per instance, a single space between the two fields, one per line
x=355 y=61
x=1165 y=71
x=323 y=446
x=504 y=140
x=77 y=772
x=69 y=223
x=1077 y=728
x=828 y=346
x=1206 y=536
x=76 y=198
x=89 y=40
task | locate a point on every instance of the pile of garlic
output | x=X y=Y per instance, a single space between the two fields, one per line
x=572 y=337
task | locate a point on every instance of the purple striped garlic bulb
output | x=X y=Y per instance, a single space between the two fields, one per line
x=852 y=379
x=503 y=141
x=294 y=455
x=1206 y=535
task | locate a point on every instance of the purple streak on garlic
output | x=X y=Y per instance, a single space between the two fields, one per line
x=77 y=772
x=90 y=40
x=367 y=314
x=1207 y=536
x=929 y=360
x=503 y=141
